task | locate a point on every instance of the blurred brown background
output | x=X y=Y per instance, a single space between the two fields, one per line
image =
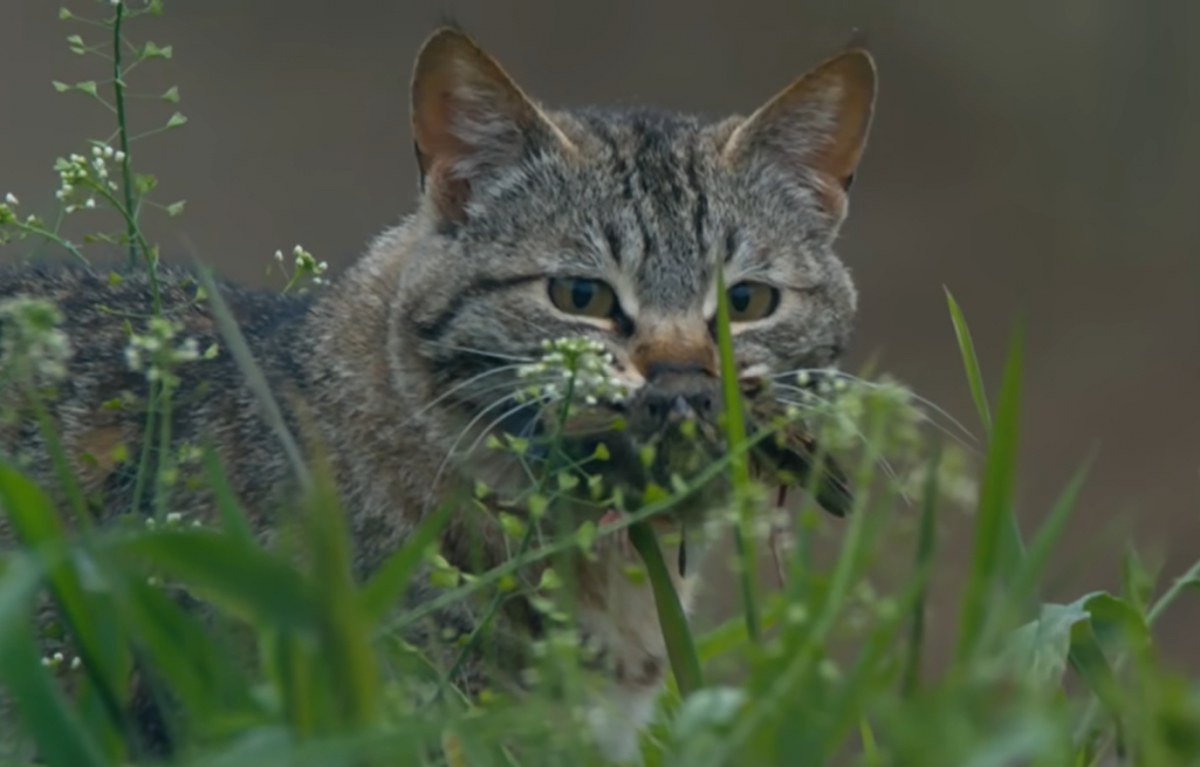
x=1036 y=158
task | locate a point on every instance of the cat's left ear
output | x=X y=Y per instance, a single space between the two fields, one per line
x=816 y=127
x=471 y=122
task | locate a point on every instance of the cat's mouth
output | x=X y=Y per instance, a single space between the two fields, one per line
x=648 y=448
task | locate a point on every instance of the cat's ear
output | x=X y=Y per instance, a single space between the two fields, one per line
x=470 y=120
x=816 y=127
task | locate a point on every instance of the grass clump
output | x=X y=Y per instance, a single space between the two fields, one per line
x=830 y=666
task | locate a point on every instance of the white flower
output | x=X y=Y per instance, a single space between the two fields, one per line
x=96 y=150
x=119 y=156
x=11 y=199
x=108 y=151
x=279 y=256
x=91 y=203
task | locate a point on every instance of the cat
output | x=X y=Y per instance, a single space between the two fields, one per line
x=532 y=224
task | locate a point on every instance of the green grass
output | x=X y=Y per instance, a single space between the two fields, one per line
x=298 y=664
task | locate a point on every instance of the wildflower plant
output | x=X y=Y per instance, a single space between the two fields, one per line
x=304 y=267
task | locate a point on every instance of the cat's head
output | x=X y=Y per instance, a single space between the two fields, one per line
x=612 y=225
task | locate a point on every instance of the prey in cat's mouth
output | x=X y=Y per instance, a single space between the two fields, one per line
x=666 y=436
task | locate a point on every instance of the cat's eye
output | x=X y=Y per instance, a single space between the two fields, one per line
x=585 y=297
x=749 y=301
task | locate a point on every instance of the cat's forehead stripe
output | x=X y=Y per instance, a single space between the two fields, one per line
x=656 y=162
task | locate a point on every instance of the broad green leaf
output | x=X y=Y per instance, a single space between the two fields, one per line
x=60 y=736
x=1037 y=651
x=233 y=575
x=39 y=529
x=203 y=675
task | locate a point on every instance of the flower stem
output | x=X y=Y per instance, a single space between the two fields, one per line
x=123 y=135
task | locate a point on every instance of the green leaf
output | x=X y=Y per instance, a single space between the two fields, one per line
x=1137 y=582
x=384 y=590
x=172 y=95
x=233 y=517
x=731 y=636
x=152 y=51
x=966 y=348
x=61 y=738
x=39 y=529
x=344 y=628
x=234 y=575
x=926 y=544
x=176 y=120
x=680 y=648
x=87 y=86
x=1037 y=651
x=739 y=467
x=182 y=651
x=144 y=183
x=991 y=550
x=1025 y=581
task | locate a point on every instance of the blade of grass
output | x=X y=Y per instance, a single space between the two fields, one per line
x=801 y=662
x=680 y=649
x=233 y=518
x=345 y=632
x=240 y=578
x=39 y=529
x=1022 y=594
x=386 y=587
x=995 y=500
x=181 y=650
x=859 y=685
x=926 y=544
x=61 y=738
x=966 y=349
x=254 y=375
x=739 y=467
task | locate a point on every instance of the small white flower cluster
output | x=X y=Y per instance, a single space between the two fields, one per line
x=583 y=361
x=57 y=659
x=7 y=213
x=78 y=171
x=30 y=327
x=157 y=354
x=305 y=264
x=172 y=519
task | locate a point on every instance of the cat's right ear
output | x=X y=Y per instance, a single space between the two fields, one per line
x=470 y=120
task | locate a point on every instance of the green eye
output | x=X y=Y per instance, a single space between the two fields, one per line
x=588 y=298
x=749 y=301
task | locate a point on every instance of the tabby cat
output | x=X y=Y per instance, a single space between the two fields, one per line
x=532 y=224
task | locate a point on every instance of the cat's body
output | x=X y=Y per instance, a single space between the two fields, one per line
x=532 y=225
